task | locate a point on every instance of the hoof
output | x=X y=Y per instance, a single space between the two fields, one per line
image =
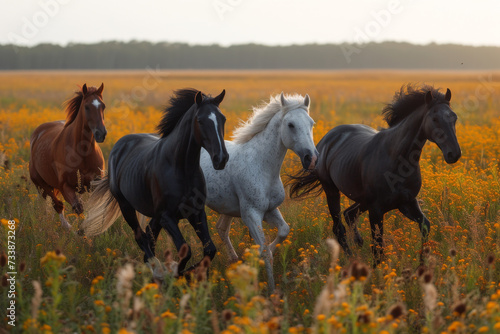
x=173 y=268
x=64 y=222
x=233 y=257
x=157 y=268
x=78 y=208
x=358 y=240
x=66 y=225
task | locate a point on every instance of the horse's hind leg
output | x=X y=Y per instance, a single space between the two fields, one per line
x=351 y=215
x=153 y=231
x=333 y=199
x=58 y=206
x=172 y=227
x=45 y=190
x=412 y=211
x=223 y=227
x=142 y=239
x=275 y=219
x=157 y=268
x=377 y=228
x=253 y=220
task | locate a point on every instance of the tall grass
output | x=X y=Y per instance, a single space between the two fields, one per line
x=67 y=283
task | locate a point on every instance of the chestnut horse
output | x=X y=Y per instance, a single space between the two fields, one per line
x=64 y=155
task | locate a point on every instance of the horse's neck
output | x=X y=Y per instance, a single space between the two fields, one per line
x=186 y=150
x=269 y=146
x=408 y=136
x=78 y=131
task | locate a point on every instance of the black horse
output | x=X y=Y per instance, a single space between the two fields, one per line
x=161 y=178
x=379 y=170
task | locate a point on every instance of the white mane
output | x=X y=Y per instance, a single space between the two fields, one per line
x=262 y=116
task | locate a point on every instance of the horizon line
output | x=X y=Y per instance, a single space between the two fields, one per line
x=131 y=41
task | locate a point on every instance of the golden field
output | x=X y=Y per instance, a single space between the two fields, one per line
x=67 y=283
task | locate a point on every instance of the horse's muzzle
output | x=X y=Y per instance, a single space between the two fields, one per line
x=219 y=162
x=309 y=161
x=452 y=157
x=100 y=135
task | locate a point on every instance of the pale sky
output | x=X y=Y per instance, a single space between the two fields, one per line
x=271 y=22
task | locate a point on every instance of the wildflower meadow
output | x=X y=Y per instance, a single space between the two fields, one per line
x=62 y=282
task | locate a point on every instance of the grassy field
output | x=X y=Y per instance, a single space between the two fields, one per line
x=66 y=283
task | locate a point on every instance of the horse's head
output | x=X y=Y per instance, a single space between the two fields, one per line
x=94 y=111
x=296 y=132
x=209 y=128
x=439 y=126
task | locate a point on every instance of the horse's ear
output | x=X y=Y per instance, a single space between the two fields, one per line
x=448 y=95
x=84 y=89
x=218 y=99
x=282 y=99
x=100 y=89
x=428 y=97
x=307 y=101
x=198 y=98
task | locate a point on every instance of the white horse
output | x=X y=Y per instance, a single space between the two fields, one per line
x=250 y=186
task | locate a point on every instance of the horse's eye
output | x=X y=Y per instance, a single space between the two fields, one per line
x=291 y=126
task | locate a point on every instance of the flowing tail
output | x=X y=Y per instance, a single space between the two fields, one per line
x=103 y=209
x=304 y=184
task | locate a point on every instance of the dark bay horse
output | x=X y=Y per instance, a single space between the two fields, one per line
x=379 y=170
x=64 y=155
x=161 y=178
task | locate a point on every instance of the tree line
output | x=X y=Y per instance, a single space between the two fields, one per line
x=139 y=55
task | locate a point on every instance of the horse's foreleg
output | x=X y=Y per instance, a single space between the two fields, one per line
x=253 y=220
x=58 y=206
x=377 y=228
x=70 y=196
x=351 y=215
x=200 y=225
x=274 y=218
x=223 y=227
x=412 y=211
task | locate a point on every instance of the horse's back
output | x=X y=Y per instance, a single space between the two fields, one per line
x=136 y=143
x=129 y=151
x=41 y=157
x=130 y=166
x=347 y=134
x=47 y=132
x=244 y=182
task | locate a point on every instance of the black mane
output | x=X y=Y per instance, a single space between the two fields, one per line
x=180 y=103
x=408 y=99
